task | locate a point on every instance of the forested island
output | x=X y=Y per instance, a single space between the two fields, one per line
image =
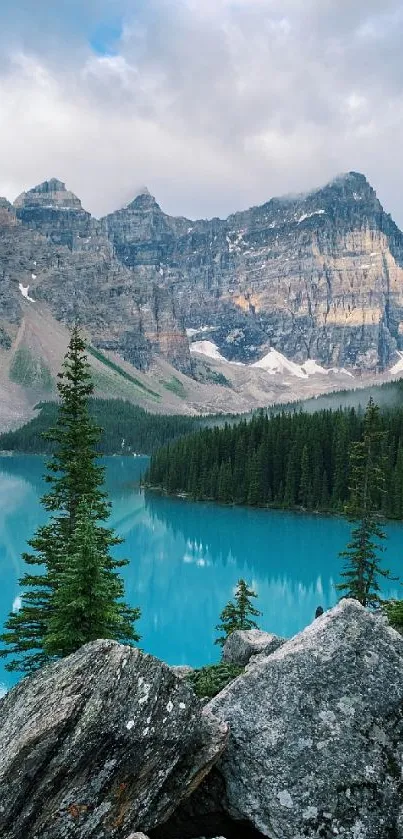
x=292 y=460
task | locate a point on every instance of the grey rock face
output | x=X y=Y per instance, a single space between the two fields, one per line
x=49 y=243
x=243 y=644
x=182 y=670
x=137 y=836
x=54 y=211
x=143 y=836
x=100 y=745
x=316 y=731
x=316 y=276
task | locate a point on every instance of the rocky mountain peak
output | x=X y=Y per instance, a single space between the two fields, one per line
x=54 y=185
x=49 y=194
x=350 y=186
x=7 y=215
x=144 y=201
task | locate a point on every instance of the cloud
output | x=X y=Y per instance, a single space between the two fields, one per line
x=215 y=105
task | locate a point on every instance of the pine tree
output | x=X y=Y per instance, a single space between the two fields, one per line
x=291 y=484
x=238 y=614
x=340 y=454
x=394 y=612
x=397 y=485
x=362 y=565
x=87 y=603
x=74 y=477
x=305 y=487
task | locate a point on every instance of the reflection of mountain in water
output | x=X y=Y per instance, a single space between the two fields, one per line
x=270 y=544
x=279 y=555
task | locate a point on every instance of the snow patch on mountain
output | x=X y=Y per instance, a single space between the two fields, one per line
x=207 y=348
x=309 y=215
x=24 y=291
x=398 y=367
x=311 y=367
x=274 y=362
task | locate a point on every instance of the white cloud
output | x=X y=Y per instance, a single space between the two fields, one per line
x=214 y=105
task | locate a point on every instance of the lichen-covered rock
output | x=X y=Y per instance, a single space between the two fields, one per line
x=182 y=671
x=99 y=745
x=242 y=644
x=316 y=730
x=137 y=836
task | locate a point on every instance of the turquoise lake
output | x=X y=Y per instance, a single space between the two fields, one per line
x=186 y=558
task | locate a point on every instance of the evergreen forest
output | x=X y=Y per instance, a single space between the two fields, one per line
x=126 y=429
x=289 y=460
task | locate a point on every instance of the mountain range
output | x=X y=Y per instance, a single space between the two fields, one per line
x=302 y=292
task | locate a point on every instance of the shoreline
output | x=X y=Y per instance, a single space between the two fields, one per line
x=300 y=511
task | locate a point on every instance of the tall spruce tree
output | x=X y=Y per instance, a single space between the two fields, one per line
x=238 y=614
x=75 y=479
x=363 y=570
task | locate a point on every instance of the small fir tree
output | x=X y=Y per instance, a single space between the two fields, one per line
x=394 y=612
x=88 y=601
x=363 y=569
x=238 y=614
x=74 y=477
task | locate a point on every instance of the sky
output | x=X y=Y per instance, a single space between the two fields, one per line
x=215 y=105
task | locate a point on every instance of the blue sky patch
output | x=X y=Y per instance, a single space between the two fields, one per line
x=105 y=37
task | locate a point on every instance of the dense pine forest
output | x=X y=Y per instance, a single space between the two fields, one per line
x=126 y=429
x=291 y=460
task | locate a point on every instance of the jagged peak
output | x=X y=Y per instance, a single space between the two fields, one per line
x=5 y=204
x=143 y=190
x=53 y=185
x=350 y=180
x=51 y=193
x=143 y=199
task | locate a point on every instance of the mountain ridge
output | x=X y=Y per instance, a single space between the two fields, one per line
x=317 y=277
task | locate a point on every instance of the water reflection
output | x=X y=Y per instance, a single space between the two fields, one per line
x=185 y=558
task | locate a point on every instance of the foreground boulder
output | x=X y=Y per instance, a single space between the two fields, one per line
x=242 y=644
x=101 y=745
x=316 y=733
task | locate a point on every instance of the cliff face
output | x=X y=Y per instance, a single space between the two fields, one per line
x=51 y=245
x=315 y=276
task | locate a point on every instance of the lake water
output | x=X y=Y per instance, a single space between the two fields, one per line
x=186 y=558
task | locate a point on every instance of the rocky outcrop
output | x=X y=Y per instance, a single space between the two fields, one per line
x=242 y=644
x=100 y=745
x=182 y=671
x=318 y=276
x=316 y=733
x=55 y=212
x=50 y=244
x=314 y=276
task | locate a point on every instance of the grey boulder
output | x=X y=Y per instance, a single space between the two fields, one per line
x=316 y=730
x=242 y=644
x=137 y=836
x=102 y=744
x=182 y=671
